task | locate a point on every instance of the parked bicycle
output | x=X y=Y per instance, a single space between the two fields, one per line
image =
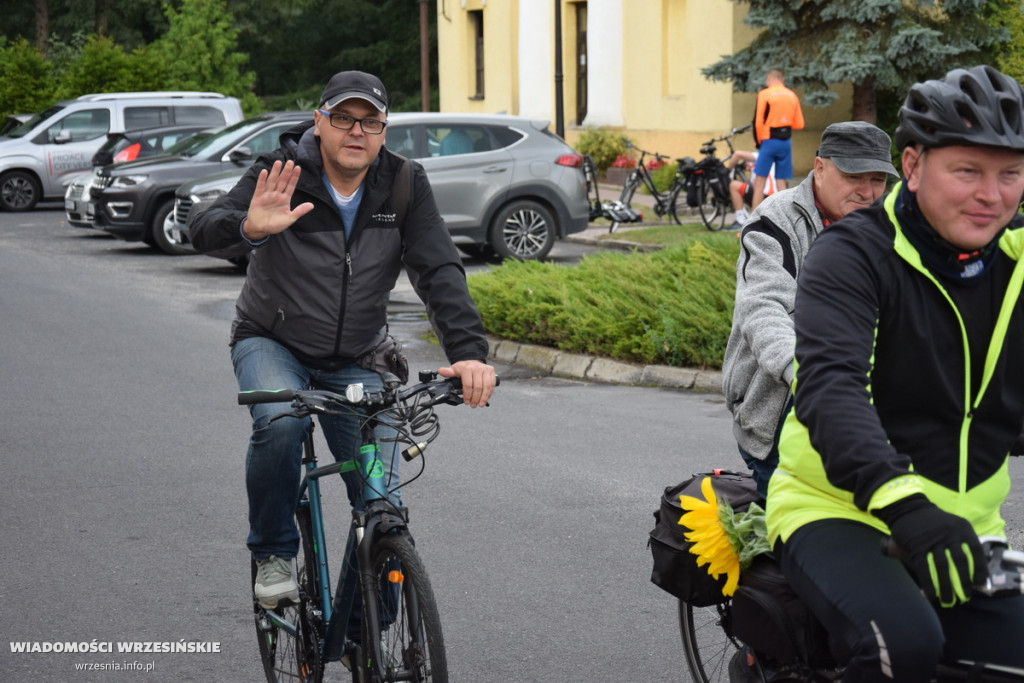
x=712 y=635
x=665 y=203
x=616 y=212
x=382 y=575
x=709 y=180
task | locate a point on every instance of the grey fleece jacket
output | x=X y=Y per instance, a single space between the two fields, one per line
x=758 y=366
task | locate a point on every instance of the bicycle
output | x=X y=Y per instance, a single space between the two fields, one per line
x=665 y=203
x=712 y=635
x=712 y=178
x=382 y=574
x=616 y=212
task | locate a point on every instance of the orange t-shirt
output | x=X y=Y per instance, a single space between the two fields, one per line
x=777 y=107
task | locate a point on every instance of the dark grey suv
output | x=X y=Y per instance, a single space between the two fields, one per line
x=135 y=200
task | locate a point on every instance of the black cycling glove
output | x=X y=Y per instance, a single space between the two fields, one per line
x=943 y=550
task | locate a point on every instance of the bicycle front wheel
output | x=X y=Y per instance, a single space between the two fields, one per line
x=707 y=640
x=410 y=639
x=290 y=637
x=712 y=209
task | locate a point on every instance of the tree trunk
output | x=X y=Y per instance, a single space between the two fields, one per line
x=42 y=25
x=101 y=10
x=864 y=101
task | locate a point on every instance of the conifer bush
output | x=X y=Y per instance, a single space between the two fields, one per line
x=668 y=307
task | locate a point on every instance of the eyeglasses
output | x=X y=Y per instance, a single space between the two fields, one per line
x=345 y=122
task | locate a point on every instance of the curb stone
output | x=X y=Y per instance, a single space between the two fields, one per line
x=579 y=366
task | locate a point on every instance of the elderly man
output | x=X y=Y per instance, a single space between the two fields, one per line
x=850 y=172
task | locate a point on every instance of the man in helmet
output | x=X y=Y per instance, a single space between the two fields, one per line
x=910 y=394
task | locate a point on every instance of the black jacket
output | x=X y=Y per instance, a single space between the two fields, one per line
x=324 y=297
x=906 y=382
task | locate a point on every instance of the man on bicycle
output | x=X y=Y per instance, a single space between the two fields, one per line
x=329 y=238
x=910 y=393
x=776 y=115
x=849 y=173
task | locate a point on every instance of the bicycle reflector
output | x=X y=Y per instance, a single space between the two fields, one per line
x=395 y=576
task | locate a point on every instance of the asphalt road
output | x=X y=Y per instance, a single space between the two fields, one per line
x=124 y=509
x=121 y=491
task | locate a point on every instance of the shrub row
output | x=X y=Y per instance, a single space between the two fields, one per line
x=668 y=307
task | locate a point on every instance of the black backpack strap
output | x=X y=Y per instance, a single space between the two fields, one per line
x=401 y=193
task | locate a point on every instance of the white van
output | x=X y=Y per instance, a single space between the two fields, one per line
x=40 y=157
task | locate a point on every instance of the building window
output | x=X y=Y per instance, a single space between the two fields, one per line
x=476 y=22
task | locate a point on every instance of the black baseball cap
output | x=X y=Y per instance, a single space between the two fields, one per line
x=348 y=84
x=858 y=147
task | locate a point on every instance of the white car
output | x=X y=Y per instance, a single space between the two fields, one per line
x=40 y=157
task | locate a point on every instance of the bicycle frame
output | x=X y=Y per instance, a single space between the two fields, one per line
x=377 y=517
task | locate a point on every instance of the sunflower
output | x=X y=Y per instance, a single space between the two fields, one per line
x=721 y=539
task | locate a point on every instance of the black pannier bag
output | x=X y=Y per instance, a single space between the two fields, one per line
x=718 y=179
x=769 y=617
x=675 y=567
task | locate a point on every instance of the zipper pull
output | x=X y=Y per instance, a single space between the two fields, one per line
x=348 y=263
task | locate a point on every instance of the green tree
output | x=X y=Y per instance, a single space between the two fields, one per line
x=102 y=66
x=873 y=44
x=26 y=80
x=198 y=51
x=1007 y=56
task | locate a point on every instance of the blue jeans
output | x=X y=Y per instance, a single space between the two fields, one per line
x=273 y=463
x=761 y=469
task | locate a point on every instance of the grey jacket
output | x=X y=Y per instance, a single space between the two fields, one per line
x=758 y=366
x=323 y=296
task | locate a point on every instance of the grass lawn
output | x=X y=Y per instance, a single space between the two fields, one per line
x=669 y=234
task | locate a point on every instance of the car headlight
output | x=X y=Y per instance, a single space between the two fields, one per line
x=128 y=180
x=207 y=195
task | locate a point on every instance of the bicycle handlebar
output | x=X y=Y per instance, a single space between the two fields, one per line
x=443 y=390
x=1005 y=566
x=413 y=406
x=643 y=153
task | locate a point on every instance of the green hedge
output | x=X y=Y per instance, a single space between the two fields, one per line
x=668 y=307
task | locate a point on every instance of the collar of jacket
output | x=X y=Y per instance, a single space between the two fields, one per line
x=302 y=143
x=1010 y=241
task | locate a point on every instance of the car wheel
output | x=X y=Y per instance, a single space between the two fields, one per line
x=19 y=191
x=166 y=235
x=523 y=230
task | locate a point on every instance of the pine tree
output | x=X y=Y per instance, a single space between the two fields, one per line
x=874 y=44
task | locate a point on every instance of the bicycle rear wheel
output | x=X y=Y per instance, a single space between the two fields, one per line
x=290 y=637
x=675 y=204
x=712 y=210
x=411 y=643
x=707 y=640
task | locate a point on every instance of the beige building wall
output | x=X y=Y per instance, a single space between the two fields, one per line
x=641 y=59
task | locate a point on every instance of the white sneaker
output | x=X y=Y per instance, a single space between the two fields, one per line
x=275 y=582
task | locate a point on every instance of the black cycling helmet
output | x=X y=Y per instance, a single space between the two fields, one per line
x=976 y=106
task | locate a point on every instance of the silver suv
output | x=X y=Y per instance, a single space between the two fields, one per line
x=504 y=185
x=40 y=157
